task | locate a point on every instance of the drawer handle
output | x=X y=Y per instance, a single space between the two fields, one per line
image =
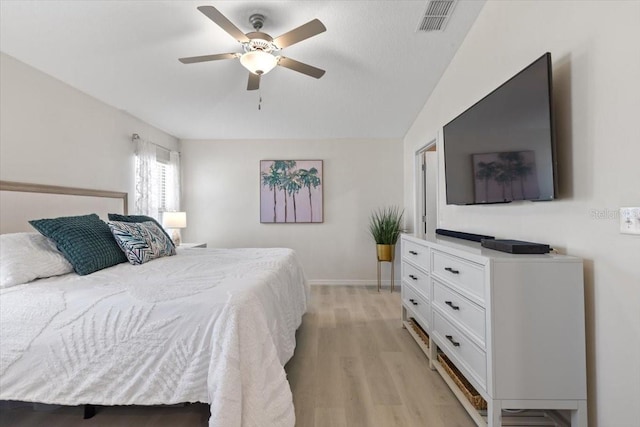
x=450 y=338
x=413 y=277
x=413 y=252
x=450 y=304
x=413 y=301
x=451 y=270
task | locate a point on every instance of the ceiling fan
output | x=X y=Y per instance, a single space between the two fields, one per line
x=261 y=50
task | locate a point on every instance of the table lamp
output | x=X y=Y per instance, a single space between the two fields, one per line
x=174 y=221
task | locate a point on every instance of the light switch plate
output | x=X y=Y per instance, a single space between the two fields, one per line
x=630 y=220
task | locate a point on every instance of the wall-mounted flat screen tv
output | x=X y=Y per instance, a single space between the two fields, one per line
x=501 y=149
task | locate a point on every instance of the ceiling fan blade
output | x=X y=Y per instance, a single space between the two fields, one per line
x=303 y=32
x=205 y=58
x=254 y=82
x=222 y=21
x=301 y=67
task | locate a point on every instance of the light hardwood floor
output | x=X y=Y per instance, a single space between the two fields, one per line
x=354 y=365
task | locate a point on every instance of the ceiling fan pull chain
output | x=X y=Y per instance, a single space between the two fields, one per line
x=259 y=100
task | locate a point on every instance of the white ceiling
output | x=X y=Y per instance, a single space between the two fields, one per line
x=380 y=71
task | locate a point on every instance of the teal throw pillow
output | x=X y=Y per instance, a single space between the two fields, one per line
x=85 y=241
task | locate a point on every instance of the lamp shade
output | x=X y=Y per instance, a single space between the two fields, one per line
x=174 y=219
x=258 y=62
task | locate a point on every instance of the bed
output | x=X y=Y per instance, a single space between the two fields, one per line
x=206 y=325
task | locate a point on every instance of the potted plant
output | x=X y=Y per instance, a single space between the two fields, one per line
x=385 y=226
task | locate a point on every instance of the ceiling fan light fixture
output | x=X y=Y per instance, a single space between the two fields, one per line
x=258 y=62
x=260 y=49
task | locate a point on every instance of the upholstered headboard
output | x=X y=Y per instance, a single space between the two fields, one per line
x=21 y=202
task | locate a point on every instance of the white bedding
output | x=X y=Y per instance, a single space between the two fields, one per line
x=206 y=325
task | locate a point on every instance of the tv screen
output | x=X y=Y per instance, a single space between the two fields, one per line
x=501 y=149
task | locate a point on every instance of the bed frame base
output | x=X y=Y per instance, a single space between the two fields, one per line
x=89 y=411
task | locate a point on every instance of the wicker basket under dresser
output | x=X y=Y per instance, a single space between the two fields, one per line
x=511 y=326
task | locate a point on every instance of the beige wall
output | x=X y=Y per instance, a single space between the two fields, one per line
x=51 y=133
x=222 y=198
x=596 y=64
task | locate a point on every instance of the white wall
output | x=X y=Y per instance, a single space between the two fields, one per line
x=51 y=133
x=221 y=194
x=596 y=64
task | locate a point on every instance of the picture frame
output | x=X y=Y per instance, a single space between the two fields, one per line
x=291 y=191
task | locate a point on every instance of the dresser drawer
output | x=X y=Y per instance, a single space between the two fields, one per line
x=464 y=275
x=462 y=312
x=417 y=254
x=461 y=350
x=416 y=278
x=418 y=305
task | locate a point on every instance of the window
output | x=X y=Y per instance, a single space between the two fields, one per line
x=161 y=180
x=157 y=180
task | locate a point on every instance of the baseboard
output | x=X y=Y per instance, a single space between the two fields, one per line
x=338 y=282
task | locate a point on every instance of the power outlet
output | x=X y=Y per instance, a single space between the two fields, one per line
x=630 y=220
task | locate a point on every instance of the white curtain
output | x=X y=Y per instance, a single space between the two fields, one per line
x=146 y=179
x=172 y=182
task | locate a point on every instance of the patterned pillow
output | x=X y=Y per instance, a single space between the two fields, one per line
x=25 y=257
x=142 y=241
x=138 y=218
x=85 y=241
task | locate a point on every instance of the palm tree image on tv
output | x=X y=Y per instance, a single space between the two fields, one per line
x=282 y=181
x=505 y=176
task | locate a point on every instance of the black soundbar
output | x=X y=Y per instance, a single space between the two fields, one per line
x=461 y=235
x=516 y=246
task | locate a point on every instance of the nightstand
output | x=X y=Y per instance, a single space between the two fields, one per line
x=192 y=245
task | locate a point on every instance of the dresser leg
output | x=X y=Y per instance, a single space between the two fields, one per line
x=494 y=412
x=392 y=276
x=579 y=416
x=403 y=317
x=433 y=354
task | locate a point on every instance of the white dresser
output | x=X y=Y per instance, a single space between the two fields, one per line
x=513 y=325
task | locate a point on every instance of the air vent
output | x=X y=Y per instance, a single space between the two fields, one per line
x=436 y=15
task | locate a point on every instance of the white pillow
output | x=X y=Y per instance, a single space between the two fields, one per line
x=25 y=257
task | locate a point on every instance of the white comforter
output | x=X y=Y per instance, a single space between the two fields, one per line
x=205 y=325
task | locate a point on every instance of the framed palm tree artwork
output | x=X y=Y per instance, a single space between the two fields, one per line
x=291 y=191
x=506 y=176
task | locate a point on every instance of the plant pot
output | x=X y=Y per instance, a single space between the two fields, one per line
x=386 y=252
